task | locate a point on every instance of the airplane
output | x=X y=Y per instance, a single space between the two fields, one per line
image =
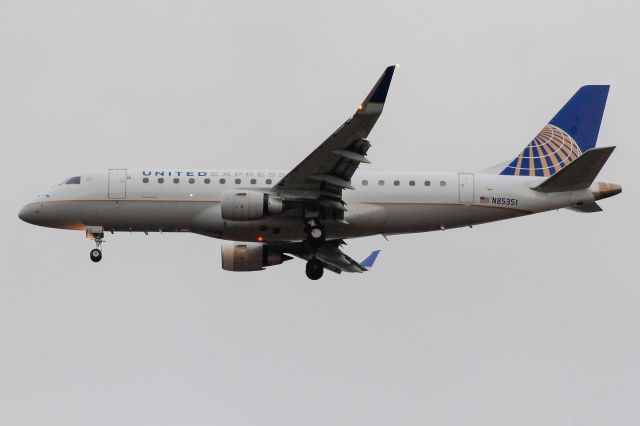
x=265 y=217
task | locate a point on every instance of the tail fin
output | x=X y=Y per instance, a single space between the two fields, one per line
x=573 y=131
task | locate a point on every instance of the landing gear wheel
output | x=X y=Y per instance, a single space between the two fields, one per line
x=95 y=254
x=316 y=235
x=314 y=269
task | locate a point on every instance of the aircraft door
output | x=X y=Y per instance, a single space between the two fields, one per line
x=465 y=186
x=117 y=183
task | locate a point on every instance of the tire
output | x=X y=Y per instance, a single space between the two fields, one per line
x=95 y=255
x=314 y=269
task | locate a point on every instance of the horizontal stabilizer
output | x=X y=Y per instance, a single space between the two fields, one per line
x=579 y=174
x=586 y=208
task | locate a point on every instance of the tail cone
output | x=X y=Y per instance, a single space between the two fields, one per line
x=605 y=190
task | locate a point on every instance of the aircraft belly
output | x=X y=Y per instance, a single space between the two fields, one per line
x=276 y=228
x=153 y=216
x=139 y=215
x=360 y=220
x=408 y=218
x=364 y=219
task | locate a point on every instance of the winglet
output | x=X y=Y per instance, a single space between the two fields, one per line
x=374 y=101
x=370 y=260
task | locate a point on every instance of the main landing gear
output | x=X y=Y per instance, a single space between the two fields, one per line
x=315 y=234
x=315 y=238
x=95 y=233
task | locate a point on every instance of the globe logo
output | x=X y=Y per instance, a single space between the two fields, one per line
x=550 y=151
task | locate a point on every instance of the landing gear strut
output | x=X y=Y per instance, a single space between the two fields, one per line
x=314 y=269
x=95 y=233
x=315 y=234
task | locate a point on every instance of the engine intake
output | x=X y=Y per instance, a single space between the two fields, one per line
x=238 y=256
x=239 y=204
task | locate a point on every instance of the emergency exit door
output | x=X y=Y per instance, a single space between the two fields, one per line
x=465 y=185
x=117 y=183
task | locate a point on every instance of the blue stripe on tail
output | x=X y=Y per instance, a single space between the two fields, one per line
x=582 y=115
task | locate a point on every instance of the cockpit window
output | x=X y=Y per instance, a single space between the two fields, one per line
x=73 y=181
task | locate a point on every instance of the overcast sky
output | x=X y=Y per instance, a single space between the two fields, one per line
x=532 y=321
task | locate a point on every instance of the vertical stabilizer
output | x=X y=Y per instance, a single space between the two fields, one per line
x=573 y=131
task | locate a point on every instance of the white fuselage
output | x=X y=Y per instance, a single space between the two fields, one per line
x=382 y=203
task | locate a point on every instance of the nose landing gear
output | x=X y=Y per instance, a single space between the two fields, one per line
x=95 y=233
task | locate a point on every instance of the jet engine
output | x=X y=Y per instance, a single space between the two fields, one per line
x=238 y=256
x=239 y=204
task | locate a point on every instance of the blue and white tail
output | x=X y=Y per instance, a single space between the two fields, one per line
x=573 y=131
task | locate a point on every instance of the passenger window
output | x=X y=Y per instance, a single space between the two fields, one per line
x=176 y=180
x=160 y=180
x=73 y=181
x=207 y=181
x=238 y=181
x=365 y=183
x=427 y=183
x=381 y=182
x=396 y=182
x=145 y=180
x=192 y=180
x=443 y=183
x=412 y=183
x=222 y=181
x=268 y=181
x=253 y=181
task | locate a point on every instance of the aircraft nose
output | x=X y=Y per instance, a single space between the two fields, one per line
x=28 y=213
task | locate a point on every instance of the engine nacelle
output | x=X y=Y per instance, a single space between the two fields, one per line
x=238 y=204
x=238 y=256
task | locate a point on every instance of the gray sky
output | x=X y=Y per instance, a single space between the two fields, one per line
x=528 y=321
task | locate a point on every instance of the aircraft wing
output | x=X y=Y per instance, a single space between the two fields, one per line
x=323 y=175
x=331 y=255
